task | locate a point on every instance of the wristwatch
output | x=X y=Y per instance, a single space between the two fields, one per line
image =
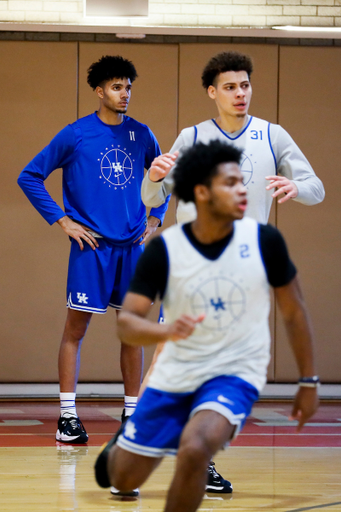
x=309 y=382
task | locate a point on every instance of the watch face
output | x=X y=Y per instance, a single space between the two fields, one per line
x=310 y=379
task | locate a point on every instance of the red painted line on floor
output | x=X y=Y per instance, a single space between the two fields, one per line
x=102 y=426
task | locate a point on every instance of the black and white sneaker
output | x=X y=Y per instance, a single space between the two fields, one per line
x=101 y=472
x=124 y=417
x=71 y=430
x=116 y=492
x=216 y=483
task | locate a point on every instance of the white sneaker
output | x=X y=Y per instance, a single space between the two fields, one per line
x=116 y=492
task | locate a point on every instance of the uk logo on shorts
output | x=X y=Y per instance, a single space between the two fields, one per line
x=82 y=298
x=130 y=430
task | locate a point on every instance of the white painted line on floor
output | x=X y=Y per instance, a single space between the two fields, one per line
x=4 y=410
x=20 y=423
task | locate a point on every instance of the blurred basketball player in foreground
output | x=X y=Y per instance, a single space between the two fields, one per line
x=213 y=276
x=272 y=164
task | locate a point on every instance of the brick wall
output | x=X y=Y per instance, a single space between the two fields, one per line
x=194 y=13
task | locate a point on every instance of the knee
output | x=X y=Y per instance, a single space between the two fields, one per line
x=194 y=452
x=75 y=331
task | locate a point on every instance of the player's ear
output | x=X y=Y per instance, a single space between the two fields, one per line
x=211 y=91
x=99 y=91
x=201 y=193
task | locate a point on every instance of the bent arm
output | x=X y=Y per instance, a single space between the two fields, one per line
x=135 y=329
x=155 y=194
x=132 y=326
x=298 y=326
x=154 y=191
x=160 y=212
x=31 y=180
x=292 y=164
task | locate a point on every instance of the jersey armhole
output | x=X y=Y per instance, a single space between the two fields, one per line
x=261 y=253
x=195 y=135
x=167 y=268
x=272 y=151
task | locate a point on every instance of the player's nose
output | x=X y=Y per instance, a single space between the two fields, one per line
x=242 y=190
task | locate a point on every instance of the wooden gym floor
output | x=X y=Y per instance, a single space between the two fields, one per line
x=271 y=467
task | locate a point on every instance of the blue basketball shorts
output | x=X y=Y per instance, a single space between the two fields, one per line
x=98 y=279
x=155 y=428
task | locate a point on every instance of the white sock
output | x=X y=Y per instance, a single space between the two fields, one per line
x=129 y=404
x=67 y=404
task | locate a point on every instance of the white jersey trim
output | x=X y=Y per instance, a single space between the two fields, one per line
x=234 y=419
x=86 y=309
x=146 y=451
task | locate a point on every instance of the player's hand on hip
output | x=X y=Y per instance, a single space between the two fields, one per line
x=152 y=224
x=183 y=327
x=78 y=232
x=306 y=403
x=162 y=165
x=283 y=186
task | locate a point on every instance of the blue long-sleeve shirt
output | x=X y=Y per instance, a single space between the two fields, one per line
x=103 y=168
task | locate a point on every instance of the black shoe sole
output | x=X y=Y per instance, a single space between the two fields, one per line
x=130 y=494
x=101 y=472
x=220 y=491
x=73 y=441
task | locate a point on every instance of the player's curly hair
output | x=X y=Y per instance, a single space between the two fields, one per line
x=109 y=67
x=222 y=62
x=199 y=164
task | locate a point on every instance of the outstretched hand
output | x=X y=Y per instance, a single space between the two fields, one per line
x=78 y=232
x=161 y=166
x=183 y=327
x=305 y=405
x=283 y=186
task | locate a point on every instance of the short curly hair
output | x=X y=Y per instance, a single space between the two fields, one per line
x=199 y=164
x=222 y=62
x=109 y=67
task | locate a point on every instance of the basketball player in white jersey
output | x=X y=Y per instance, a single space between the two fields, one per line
x=214 y=276
x=270 y=160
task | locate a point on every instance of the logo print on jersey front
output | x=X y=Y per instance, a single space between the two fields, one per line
x=246 y=168
x=221 y=299
x=116 y=167
x=218 y=305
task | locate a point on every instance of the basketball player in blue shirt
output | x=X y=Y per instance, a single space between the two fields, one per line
x=214 y=276
x=103 y=157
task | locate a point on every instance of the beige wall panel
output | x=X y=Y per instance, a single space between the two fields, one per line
x=154 y=102
x=38 y=98
x=195 y=106
x=309 y=108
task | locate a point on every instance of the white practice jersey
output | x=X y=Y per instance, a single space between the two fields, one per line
x=267 y=150
x=233 y=292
